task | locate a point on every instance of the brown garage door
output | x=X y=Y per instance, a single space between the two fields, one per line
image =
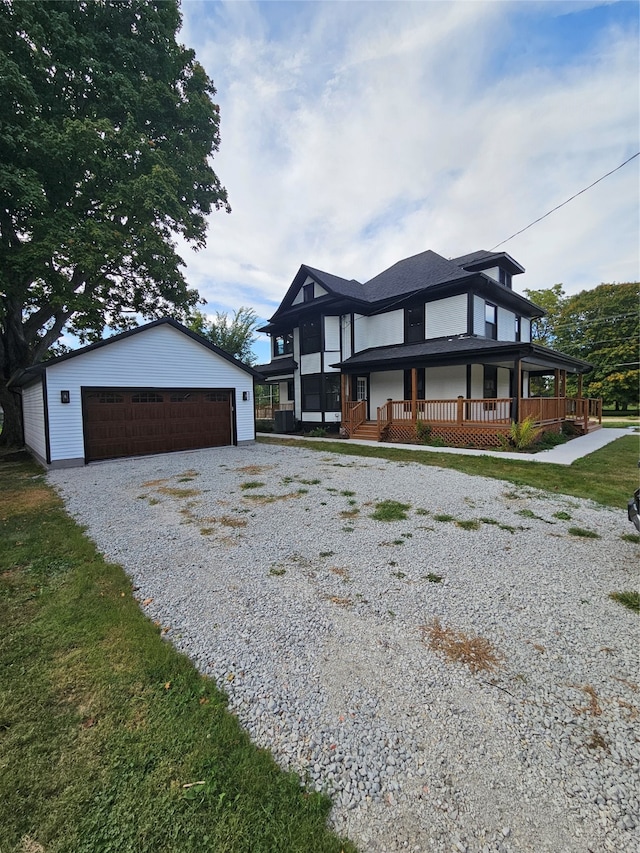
x=137 y=421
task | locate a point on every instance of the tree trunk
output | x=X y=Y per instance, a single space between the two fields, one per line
x=11 y=435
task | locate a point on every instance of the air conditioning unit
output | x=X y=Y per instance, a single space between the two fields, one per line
x=285 y=420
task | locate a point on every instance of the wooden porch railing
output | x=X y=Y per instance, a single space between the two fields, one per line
x=463 y=411
x=544 y=410
x=356 y=414
x=460 y=411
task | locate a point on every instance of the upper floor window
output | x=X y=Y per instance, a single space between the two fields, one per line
x=310 y=336
x=414 y=325
x=490 y=321
x=518 y=328
x=283 y=344
x=307 y=292
x=505 y=278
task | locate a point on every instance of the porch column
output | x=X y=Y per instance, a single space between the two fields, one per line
x=556 y=383
x=344 y=395
x=414 y=393
x=518 y=389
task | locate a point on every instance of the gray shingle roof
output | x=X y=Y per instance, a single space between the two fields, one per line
x=335 y=284
x=411 y=274
x=482 y=258
x=463 y=347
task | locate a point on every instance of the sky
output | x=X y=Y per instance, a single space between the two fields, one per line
x=355 y=134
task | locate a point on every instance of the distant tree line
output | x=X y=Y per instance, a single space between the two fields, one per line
x=601 y=326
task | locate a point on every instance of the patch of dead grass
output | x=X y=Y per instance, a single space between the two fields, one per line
x=340 y=601
x=177 y=492
x=254 y=469
x=343 y=573
x=593 y=707
x=232 y=521
x=475 y=652
x=596 y=741
x=151 y=483
x=26 y=500
x=630 y=684
x=29 y=845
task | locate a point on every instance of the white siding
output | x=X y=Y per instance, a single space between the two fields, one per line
x=477 y=382
x=379 y=331
x=384 y=385
x=160 y=357
x=446 y=383
x=504 y=385
x=345 y=324
x=318 y=291
x=331 y=342
x=525 y=330
x=310 y=363
x=506 y=325
x=447 y=317
x=33 y=418
x=478 y=316
x=494 y=272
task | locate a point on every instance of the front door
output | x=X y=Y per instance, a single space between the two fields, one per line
x=361 y=390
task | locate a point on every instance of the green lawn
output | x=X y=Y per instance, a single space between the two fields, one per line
x=103 y=724
x=609 y=476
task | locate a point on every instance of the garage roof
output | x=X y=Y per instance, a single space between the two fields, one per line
x=31 y=373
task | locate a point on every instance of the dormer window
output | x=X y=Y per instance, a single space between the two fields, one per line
x=283 y=344
x=505 y=278
x=307 y=292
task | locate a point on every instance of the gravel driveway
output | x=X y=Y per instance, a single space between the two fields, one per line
x=266 y=567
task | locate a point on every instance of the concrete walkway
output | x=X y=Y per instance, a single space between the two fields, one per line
x=563 y=454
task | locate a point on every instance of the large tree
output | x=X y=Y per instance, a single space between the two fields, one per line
x=602 y=326
x=107 y=127
x=234 y=335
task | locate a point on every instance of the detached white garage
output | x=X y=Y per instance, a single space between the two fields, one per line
x=155 y=389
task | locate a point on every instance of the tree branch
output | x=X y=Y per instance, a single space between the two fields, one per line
x=51 y=335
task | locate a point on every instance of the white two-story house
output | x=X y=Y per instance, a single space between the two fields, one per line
x=445 y=342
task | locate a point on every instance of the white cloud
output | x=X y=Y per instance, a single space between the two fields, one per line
x=356 y=134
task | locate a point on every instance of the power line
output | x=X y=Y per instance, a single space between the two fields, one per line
x=565 y=202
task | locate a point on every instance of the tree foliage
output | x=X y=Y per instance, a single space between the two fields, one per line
x=543 y=328
x=107 y=127
x=234 y=335
x=601 y=326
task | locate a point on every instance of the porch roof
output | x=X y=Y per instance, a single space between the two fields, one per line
x=461 y=350
x=278 y=367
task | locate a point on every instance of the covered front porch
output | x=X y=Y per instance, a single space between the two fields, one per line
x=480 y=420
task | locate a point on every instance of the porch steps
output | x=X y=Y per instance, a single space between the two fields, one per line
x=367 y=431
